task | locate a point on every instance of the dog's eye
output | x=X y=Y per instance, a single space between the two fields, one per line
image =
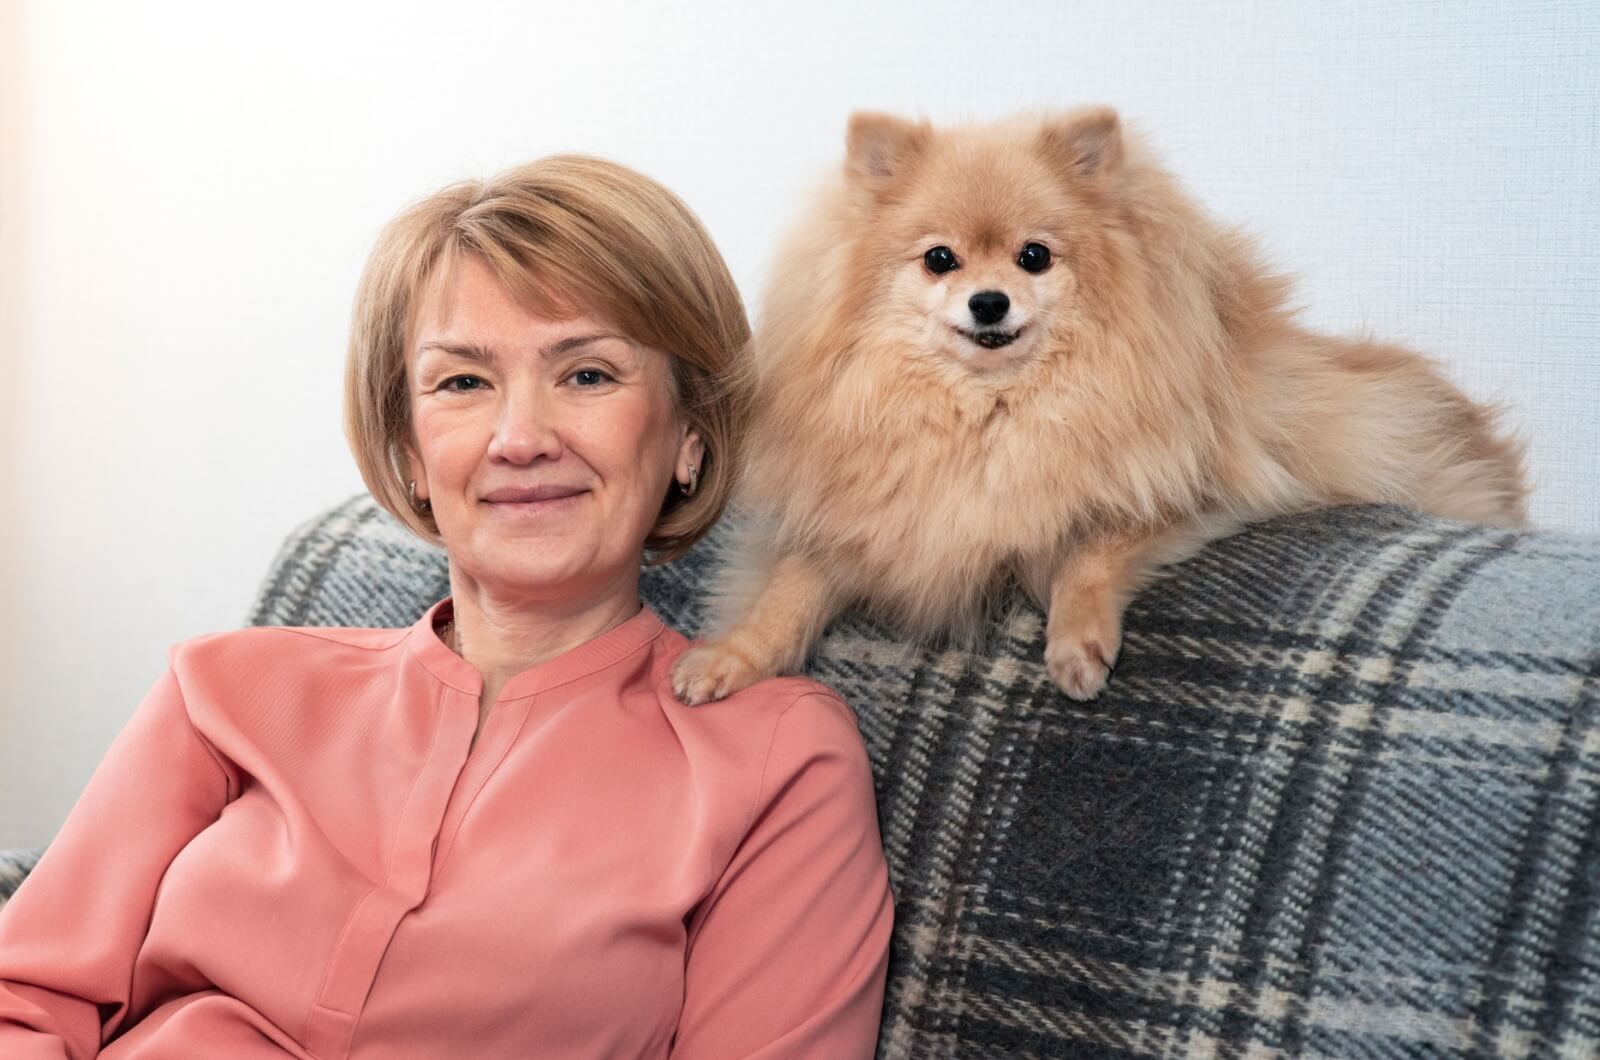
x=1035 y=257
x=940 y=260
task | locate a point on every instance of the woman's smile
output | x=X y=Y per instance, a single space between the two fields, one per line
x=534 y=502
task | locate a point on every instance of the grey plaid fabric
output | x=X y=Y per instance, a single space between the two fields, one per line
x=14 y=866
x=1342 y=797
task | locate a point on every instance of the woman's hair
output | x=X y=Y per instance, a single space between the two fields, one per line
x=563 y=233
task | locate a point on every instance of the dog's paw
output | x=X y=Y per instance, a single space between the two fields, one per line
x=711 y=671
x=1080 y=660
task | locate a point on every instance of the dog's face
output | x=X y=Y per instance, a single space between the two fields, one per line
x=977 y=236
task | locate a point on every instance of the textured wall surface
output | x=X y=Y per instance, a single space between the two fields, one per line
x=187 y=193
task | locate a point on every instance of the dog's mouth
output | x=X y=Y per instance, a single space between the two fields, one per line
x=989 y=338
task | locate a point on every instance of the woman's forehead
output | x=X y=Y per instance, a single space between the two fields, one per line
x=464 y=281
x=468 y=303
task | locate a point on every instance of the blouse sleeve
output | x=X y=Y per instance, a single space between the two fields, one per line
x=69 y=936
x=788 y=954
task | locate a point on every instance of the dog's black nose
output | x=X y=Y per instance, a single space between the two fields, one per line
x=989 y=307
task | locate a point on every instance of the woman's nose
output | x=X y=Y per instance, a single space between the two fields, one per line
x=526 y=430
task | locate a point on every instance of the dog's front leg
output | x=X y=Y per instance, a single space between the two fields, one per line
x=774 y=635
x=1088 y=593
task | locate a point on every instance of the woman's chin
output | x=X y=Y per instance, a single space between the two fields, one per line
x=536 y=569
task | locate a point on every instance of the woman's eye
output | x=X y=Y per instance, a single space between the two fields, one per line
x=940 y=260
x=461 y=383
x=586 y=377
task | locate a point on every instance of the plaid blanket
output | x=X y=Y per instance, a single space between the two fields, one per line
x=1340 y=798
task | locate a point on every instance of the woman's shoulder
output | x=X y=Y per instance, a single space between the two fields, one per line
x=814 y=734
x=803 y=711
x=790 y=739
x=772 y=725
x=780 y=695
x=812 y=758
x=768 y=699
x=279 y=646
x=263 y=686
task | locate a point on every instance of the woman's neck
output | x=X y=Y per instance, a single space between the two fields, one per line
x=503 y=633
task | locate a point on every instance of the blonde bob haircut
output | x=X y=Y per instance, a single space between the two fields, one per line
x=564 y=234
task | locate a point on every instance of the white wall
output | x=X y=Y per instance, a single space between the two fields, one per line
x=187 y=192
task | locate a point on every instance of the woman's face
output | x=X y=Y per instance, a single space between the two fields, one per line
x=546 y=447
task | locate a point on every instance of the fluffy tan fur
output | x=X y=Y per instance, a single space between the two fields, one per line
x=1157 y=393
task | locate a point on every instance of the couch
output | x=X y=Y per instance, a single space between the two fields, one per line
x=1341 y=798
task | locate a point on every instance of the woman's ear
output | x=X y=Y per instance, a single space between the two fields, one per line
x=691 y=455
x=416 y=475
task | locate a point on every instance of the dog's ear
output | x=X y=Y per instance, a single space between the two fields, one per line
x=880 y=145
x=1087 y=141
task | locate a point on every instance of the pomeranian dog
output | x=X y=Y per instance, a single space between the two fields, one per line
x=1019 y=352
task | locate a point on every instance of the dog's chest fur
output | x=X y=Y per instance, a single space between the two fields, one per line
x=929 y=494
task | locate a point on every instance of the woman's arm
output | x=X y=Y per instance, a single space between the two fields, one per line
x=69 y=936
x=787 y=956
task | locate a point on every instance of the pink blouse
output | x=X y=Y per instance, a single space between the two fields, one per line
x=290 y=851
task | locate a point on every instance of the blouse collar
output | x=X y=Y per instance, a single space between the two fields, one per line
x=612 y=646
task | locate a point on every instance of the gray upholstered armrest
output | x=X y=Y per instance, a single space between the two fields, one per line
x=1340 y=798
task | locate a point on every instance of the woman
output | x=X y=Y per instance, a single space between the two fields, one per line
x=495 y=833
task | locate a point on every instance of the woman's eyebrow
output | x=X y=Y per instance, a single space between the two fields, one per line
x=483 y=355
x=567 y=345
x=465 y=350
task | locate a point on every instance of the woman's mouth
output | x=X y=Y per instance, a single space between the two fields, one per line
x=532 y=500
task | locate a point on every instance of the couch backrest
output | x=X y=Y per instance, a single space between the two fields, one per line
x=1340 y=798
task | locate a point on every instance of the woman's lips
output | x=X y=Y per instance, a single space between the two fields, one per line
x=535 y=501
x=525 y=494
